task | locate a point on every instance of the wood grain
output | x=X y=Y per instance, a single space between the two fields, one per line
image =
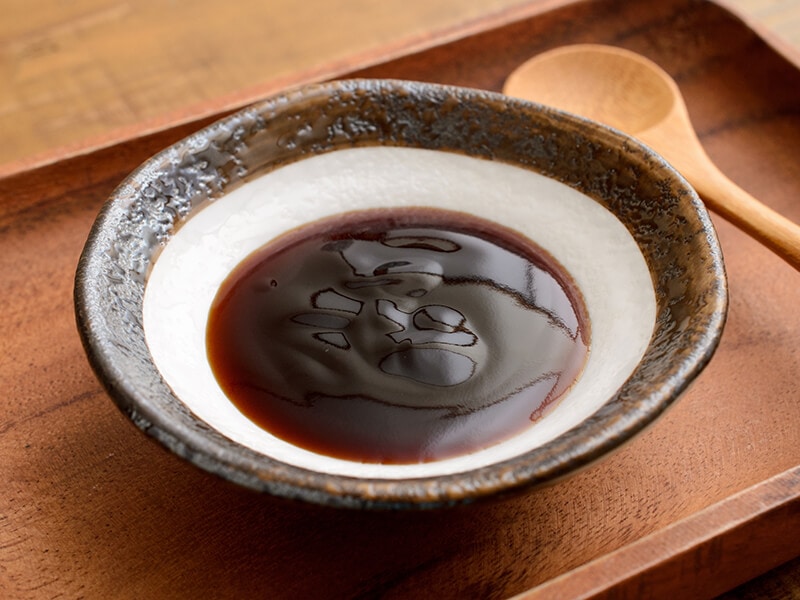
x=90 y=72
x=93 y=509
x=80 y=70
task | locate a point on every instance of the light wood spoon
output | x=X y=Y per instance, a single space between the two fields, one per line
x=631 y=93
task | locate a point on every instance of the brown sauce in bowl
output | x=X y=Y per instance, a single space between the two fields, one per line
x=397 y=336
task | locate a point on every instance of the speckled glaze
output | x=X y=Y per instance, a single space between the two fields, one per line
x=661 y=211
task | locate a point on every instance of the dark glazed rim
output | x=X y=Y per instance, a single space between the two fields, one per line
x=657 y=206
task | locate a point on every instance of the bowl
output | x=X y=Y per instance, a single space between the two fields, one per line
x=623 y=232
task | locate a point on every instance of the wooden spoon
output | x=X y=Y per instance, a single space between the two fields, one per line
x=631 y=93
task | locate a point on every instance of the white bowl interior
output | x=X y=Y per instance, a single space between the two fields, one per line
x=583 y=236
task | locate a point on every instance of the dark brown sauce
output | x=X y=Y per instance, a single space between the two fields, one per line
x=397 y=335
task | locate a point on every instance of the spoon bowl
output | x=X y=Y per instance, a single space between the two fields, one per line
x=629 y=92
x=635 y=99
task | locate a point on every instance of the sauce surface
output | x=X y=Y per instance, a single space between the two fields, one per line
x=397 y=336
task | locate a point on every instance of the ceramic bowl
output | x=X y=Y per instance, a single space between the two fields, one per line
x=633 y=236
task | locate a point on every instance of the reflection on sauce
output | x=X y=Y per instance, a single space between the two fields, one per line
x=397 y=335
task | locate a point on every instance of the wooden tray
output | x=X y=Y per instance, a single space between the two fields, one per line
x=708 y=498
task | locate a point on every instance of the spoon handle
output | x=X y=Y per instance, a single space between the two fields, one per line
x=739 y=208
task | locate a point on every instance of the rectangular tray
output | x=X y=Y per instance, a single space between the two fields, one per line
x=707 y=498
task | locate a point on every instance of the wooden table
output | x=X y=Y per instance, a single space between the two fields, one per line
x=90 y=508
x=91 y=72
